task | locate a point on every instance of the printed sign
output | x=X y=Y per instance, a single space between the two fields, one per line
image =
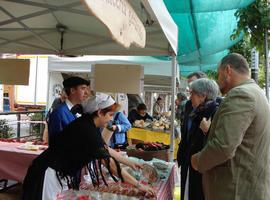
x=121 y=20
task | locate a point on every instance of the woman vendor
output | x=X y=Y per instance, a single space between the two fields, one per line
x=59 y=167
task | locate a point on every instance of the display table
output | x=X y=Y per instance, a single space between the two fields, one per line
x=14 y=162
x=152 y=136
x=164 y=190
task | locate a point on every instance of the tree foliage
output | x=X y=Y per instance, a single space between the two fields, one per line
x=261 y=76
x=253 y=20
x=243 y=47
x=5 y=130
x=36 y=129
x=212 y=74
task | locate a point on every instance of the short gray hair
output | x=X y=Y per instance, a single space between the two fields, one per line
x=237 y=62
x=205 y=86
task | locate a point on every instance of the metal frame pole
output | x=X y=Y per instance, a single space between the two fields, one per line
x=172 y=136
x=266 y=54
x=18 y=125
x=36 y=79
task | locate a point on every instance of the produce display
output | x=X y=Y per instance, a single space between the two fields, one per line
x=151 y=146
x=91 y=195
x=141 y=124
x=155 y=173
x=116 y=188
x=149 y=150
x=149 y=173
x=25 y=145
x=14 y=140
x=161 y=124
x=31 y=146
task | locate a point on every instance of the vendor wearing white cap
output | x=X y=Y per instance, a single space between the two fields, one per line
x=80 y=144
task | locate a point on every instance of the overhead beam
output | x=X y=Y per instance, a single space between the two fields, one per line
x=23 y=38
x=27 y=28
x=23 y=29
x=65 y=8
x=91 y=45
x=25 y=44
x=15 y=19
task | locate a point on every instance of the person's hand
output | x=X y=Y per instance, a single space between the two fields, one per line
x=149 y=192
x=205 y=125
x=114 y=127
x=135 y=165
x=194 y=161
x=111 y=128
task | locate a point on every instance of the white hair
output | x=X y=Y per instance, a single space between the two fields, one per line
x=205 y=86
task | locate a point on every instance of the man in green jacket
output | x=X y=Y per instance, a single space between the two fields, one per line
x=235 y=161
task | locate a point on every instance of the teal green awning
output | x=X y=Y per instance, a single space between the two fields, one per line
x=205 y=27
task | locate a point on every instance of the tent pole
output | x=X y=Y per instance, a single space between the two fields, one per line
x=36 y=79
x=174 y=64
x=266 y=69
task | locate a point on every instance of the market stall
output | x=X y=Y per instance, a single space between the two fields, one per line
x=67 y=28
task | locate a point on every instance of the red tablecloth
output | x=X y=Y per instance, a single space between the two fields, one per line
x=14 y=162
x=165 y=189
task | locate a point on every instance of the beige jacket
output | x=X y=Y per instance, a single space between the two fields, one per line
x=235 y=161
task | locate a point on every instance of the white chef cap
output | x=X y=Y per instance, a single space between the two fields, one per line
x=97 y=102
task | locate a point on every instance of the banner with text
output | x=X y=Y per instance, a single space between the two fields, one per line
x=121 y=20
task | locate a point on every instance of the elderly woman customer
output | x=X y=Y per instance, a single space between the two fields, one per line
x=203 y=99
x=80 y=144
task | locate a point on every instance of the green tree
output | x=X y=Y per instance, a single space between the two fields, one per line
x=212 y=74
x=261 y=77
x=243 y=47
x=36 y=130
x=253 y=20
x=5 y=130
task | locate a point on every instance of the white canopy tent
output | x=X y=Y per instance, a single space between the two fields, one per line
x=66 y=28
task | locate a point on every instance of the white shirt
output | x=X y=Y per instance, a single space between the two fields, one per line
x=70 y=105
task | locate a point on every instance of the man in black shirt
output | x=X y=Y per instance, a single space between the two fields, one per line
x=139 y=114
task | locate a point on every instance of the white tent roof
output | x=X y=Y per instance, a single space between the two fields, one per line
x=156 y=72
x=30 y=27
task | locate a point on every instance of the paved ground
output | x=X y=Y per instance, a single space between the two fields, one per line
x=12 y=193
